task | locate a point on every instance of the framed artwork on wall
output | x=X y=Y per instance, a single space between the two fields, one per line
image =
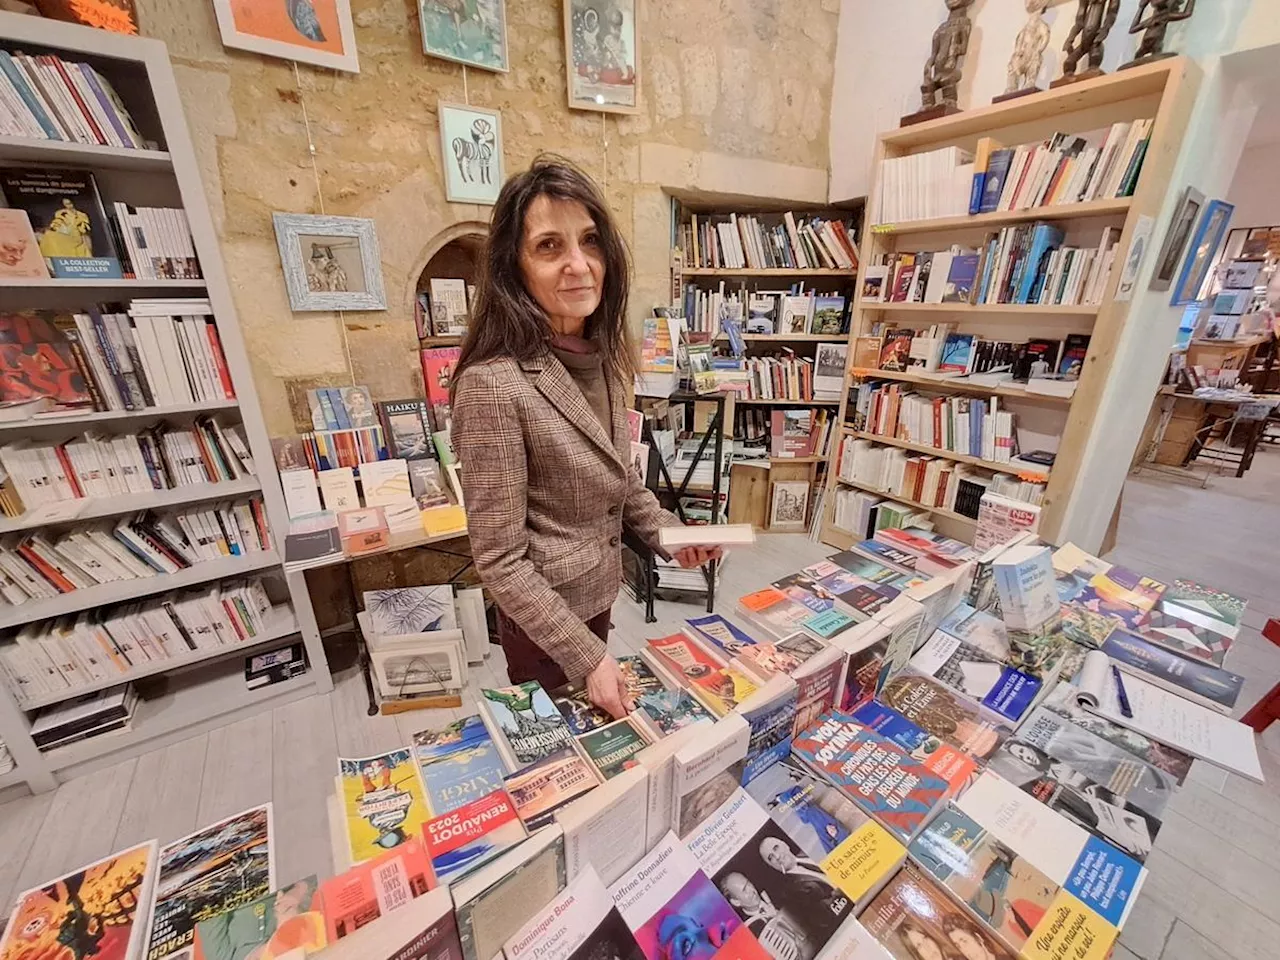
x=330 y=263
x=1204 y=244
x=318 y=32
x=602 y=50
x=475 y=35
x=471 y=153
x=1175 y=241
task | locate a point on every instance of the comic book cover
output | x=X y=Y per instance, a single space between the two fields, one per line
x=578 y=711
x=93 y=913
x=274 y=925
x=383 y=802
x=218 y=868
x=914 y=919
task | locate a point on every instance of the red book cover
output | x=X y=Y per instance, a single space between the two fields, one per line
x=36 y=361
x=462 y=839
x=215 y=344
x=61 y=451
x=374 y=888
x=85 y=112
x=437 y=375
x=44 y=569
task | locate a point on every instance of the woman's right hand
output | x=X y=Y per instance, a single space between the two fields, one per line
x=608 y=690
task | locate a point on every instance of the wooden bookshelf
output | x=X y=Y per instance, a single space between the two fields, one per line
x=907 y=501
x=1163 y=91
x=764 y=272
x=1026 y=471
x=198 y=694
x=788 y=338
x=787 y=403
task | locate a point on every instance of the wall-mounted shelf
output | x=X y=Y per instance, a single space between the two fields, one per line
x=958 y=384
x=993 y=309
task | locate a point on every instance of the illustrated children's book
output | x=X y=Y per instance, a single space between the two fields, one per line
x=383 y=803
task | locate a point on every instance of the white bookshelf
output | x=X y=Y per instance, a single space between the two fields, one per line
x=201 y=689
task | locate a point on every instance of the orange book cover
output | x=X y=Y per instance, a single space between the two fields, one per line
x=374 y=888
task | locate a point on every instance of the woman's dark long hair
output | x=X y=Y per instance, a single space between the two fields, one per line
x=506 y=321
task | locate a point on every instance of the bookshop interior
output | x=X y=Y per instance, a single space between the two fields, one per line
x=908 y=383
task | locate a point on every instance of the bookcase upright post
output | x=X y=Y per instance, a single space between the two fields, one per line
x=1163 y=91
x=200 y=700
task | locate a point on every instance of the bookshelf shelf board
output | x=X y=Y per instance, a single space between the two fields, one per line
x=87 y=154
x=1112 y=88
x=96 y=507
x=765 y=272
x=789 y=337
x=1002 y=218
x=53 y=283
x=449 y=341
x=787 y=403
x=117 y=416
x=813 y=459
x=185 y=710
x=956 y=383
x=907 y=501
x=1016 y=469
x=281 y=623
x=115 y=592
x=1014 y=309
x=11 y=777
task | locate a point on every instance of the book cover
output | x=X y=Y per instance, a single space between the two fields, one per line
x=612 y=747
x=1120 y=585
x=708 y=767
x=939 y=758
x=459 y=763
x=818 y=686
x=382 y=800
x=774 y=611
x=961 y=278
x=19 y=250
x=194 y=883
x=465 y=837
x=67 y=217
x=976 y=674
x=493 y=903
x=856 y=853
x=895 y=350
x=720 y=688
x=1123 y=773
x=879 y=777
x=97 y=911
x=1182 y=636
x=914 y=919
x=828 y=623
x=578 y=711
x=543 y=787
x=1074 y=350
x=408 y=429
x=672 y=710
x=993 y=184
x=828 y=315
x=963 y=724
x=406 y=610
x=771 y=715
x=882 y=552
x=36 y=361
x=720 y=634
x=289 y=919
x=581 y=923
x=528 y=720
x=606 y=830
x=1185 y=597
x=675 y=911
x=781 y=894
x=1099 y=876
x=1202 y=683
x=1083 y=801
x=638 y=677
x=1000 y=887
x=437 y=375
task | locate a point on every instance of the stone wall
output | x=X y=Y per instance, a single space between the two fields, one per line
x=735 y=95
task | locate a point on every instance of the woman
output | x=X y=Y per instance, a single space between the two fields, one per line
x=539 y=423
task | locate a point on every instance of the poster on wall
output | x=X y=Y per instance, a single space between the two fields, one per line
x=601 y=46
x=471 y=153
x=318 y=32
x=474 y=33
x=330 y=263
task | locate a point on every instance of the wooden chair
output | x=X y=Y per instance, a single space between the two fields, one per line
x=1265 y=711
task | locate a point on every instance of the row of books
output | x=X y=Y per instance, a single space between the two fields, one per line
x=154 y=243
x=941 y=349
x=739 y=242
x=60 y=656
x=163 y=457
x=45 y=97
x=972 y=426
x=783 y=377
x=43 y=565
x=799 y=433
x=445 y=309
x=791 y=312
x=1026 y=264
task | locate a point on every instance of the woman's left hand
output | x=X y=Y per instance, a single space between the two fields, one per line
x=689 y=557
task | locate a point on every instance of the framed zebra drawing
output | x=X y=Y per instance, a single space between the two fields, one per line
x=471 y=153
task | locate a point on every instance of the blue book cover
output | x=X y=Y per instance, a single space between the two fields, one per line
x=882 y=551
x=1219 y=688
x=462 y=776
x=976 y=191
x=993 y=186
x=85 y=268
x=961 y=279
x=1043 y=239
x=892 y=725
x=957 y=353
x=340 y=415
x=828 y=623
x=1105 y=880
x=720 y=634
x=977 y=411
x=771 y=729
x=326 y=406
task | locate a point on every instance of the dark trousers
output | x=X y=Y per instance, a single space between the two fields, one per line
x=527 y=661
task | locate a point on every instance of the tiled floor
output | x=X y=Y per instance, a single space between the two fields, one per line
x=1215 y=879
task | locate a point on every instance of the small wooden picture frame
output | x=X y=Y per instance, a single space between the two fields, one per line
x=788 y=506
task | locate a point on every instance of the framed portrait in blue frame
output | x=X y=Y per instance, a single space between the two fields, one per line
x=1204 y=244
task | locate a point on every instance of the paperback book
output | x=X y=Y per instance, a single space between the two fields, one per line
x=525 y=723
x=462 y=839
x=459 y=764
x=721 y=635
x=374 y=889
x=424 y=928
x=964 y=724
x=855 y=853
x=939 y=758
x=782 y=895
x=899 y=792
x=672 y=710
x=973 y=673
x=771 y=715
x=543 y=787
x=913 y=918
x=289 y=920
x=774 y=612
x=612 y=748
x=580 y=923
x=382 y=802
x=1201 y=683
x=706 y=769
x=602 y=829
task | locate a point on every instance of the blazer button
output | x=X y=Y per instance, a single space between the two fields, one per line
x=613 y=541
x=613 y=511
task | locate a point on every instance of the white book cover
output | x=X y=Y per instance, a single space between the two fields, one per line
x=853 y=942
x=582 y=917
x=338 y=489
x=408 y=610
x=708 y=771
x=602 y=830
x=1026 y=583
x=659 y=760
x=300 y=494
x=385 y=482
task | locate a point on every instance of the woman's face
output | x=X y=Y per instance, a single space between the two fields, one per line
x=970 y=947
x=924 y=945
x=561 y=258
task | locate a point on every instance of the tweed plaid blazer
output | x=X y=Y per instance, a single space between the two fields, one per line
x=547 y=491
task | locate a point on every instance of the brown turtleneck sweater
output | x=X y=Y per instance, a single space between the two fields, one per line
x=583 y=361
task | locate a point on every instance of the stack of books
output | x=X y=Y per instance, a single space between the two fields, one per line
x=740 y=242
x=49 y=98
x=925 y=186
x=53 y=658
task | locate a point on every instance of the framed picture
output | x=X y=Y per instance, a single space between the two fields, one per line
x=473 y=33
x=601 y=48
x=1204 y=244
x=1175 y=241
x=318 y=32
x=471 y=153
x=330 y=263
x=788 y=505
x=407 y=669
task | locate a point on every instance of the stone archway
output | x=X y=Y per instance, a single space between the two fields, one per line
x=453 y=252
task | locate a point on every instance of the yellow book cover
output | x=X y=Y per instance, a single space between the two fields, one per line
x=382 y=801
x=1069 y=931
x=864 y=860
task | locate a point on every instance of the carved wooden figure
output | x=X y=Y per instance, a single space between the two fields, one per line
x=942 y=70
x=1094 y=20
x=1028 y=52
x=1154 y=17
